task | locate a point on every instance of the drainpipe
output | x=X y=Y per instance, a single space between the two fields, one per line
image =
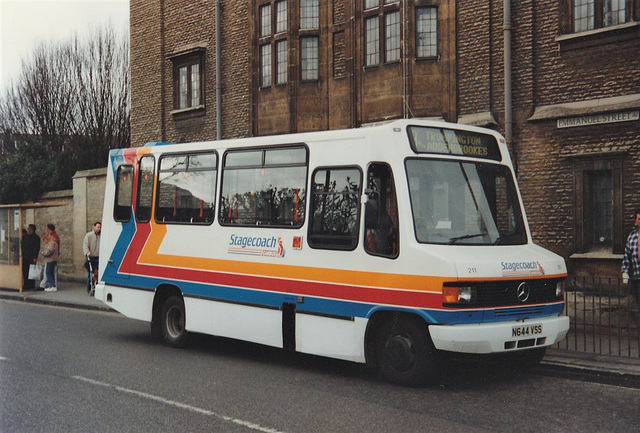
x=508 y=103
x=218 y=77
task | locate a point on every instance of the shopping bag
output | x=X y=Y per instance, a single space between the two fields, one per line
x=34 y=272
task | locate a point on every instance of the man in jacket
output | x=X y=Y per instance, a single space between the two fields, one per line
x=91 y=249
x=631 y=261
x=30 y=246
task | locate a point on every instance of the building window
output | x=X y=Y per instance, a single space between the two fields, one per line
x=589 y=14
x=583 y=15
x=265 y=65
x=265 y=20
x=386 y=39
x=372 y=41
x=281 y=16
x=309 y=14
x=392 y=37
x=187 y=78
x=370 y=4
x=614 y=12
x=281 y=61
x=595 y=14
x=598 y=219
x=309 y=58
x=273 y=46
x=426 y=32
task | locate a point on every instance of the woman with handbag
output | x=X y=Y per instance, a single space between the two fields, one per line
x=50 y=254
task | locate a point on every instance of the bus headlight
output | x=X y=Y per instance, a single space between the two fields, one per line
x=560 y=289
x=458 y=295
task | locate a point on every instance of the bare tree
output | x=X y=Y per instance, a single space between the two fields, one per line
x=72 y=101
x=47 y=94
x=103 y=78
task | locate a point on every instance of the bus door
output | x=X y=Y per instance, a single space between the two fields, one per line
x=381 y=212
x=116 y=265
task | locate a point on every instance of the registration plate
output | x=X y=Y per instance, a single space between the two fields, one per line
x=526 y=330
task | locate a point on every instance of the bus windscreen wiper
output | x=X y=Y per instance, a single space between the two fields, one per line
x=459 y=238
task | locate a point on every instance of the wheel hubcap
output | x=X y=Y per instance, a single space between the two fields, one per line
x=399 y=352
x=175 y=322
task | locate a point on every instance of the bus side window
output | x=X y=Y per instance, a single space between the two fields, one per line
x=264 y=187
x=186 y=188
x=124 y=193
x=144 y=198
x=335 y=208
x=381 y=213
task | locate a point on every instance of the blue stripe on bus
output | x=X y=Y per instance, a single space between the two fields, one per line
x=335 y=307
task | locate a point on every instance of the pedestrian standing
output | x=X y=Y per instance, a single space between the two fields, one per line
x=50 y=254
x=631 y=261
x=91 y=249
x=51 y=230
x=30 y=246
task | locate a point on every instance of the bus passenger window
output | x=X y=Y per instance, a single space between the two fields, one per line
x=264 y=187
x=124 y=193
x=145 y=189
x=335 y=208
x=186 y=188
x=381 y=213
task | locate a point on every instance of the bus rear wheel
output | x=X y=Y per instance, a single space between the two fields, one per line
x=172 y=321
x=406 y=353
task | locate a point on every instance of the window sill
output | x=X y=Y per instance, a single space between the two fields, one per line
x=598 y=37
x=184 y=113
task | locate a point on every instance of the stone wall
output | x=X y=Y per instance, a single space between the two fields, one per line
x=73 y=213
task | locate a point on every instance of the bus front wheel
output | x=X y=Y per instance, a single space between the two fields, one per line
x=172 y=321
x=406 y=353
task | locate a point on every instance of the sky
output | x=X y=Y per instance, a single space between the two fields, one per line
x=26 y=23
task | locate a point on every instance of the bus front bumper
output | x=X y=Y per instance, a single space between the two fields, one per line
x=500 y=337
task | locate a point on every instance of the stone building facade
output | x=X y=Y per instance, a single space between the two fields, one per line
x=298 y=65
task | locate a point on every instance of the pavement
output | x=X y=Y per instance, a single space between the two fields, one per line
x=74 y=295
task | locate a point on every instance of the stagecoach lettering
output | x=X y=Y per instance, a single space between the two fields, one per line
x=251 y=241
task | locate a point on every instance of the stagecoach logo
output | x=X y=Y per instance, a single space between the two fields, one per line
x=518 y=269
x=256 y=246
x=523 y=292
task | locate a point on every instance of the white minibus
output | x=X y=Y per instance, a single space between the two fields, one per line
x=392 y=245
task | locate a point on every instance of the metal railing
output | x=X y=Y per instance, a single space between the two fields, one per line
x=604 y=317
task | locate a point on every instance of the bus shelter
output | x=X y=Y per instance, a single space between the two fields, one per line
x=10 y=235
x=13 y=219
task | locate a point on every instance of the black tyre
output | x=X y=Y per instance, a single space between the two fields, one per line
x=406 y=353
x=172 y=321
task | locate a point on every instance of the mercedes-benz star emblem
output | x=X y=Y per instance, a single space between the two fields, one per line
x=523 y=292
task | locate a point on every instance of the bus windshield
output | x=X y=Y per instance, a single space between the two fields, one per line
x=464 y=203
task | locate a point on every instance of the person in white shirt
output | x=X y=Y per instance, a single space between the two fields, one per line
x=91 y=249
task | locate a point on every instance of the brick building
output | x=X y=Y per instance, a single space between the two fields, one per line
x=207 y=69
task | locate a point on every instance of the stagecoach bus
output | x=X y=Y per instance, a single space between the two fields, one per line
x=391 y=245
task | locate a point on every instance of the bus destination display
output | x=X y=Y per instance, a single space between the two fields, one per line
x=453 y=142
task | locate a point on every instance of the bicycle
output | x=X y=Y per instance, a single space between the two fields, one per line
x=92 y=278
